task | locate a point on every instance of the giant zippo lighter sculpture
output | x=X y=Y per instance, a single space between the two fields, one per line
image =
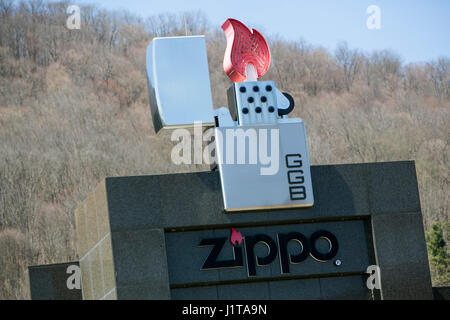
x=254 y=125
x=167 y=237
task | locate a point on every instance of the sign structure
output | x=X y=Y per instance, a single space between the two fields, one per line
x=252 y=229
x=153 y=237
x=167 y=237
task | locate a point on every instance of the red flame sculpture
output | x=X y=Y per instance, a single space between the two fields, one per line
x=236 y=237
x=244 y=46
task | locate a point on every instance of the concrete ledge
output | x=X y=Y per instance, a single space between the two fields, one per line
x=441 y=293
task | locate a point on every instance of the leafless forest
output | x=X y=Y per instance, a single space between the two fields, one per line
x=74 y=109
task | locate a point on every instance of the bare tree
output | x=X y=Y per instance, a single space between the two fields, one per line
x=350 y=61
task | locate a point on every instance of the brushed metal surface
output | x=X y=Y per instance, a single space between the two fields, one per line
x=178 y=82
x=243 y=185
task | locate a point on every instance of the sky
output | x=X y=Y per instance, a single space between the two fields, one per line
x=417 y=30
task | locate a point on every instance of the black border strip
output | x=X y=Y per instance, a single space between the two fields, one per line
x=264 y=223
x=264 y=279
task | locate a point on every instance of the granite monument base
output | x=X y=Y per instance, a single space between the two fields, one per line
x=144 y=237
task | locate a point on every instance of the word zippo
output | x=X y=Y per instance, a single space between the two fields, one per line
x=261 y=153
